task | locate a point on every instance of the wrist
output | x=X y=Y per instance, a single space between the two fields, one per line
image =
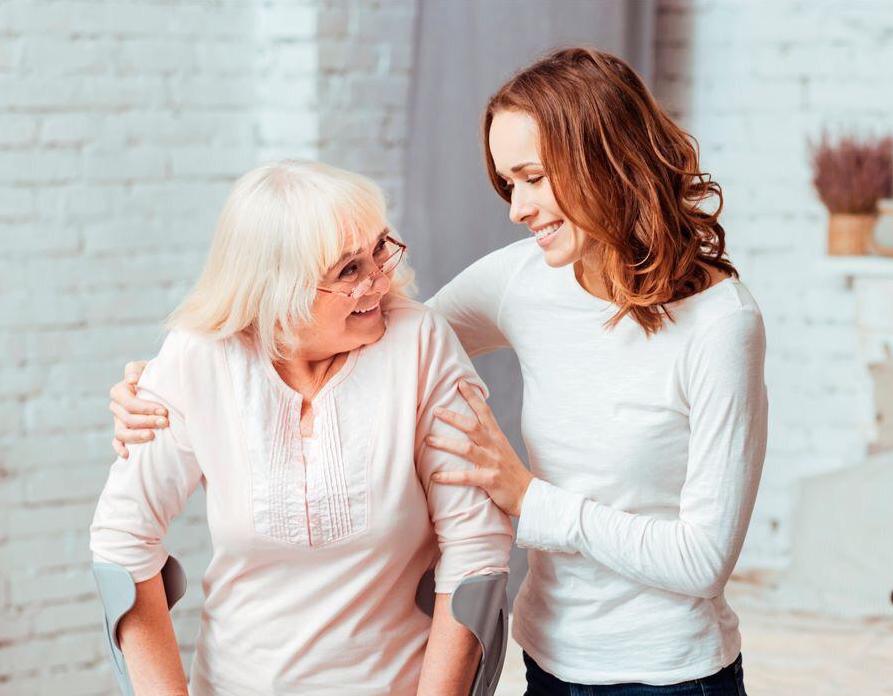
x=525 y=486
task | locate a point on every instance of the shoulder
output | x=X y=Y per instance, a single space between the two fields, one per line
x=182 y=346
x=184 y=357
x=725 y=330
x=409 y=317
x=507 y=261
x=728 y=303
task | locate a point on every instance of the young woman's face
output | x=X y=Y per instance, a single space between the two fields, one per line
x=514 y=146
x=341 y=324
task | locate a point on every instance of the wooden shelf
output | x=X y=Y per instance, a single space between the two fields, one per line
x=857 y=266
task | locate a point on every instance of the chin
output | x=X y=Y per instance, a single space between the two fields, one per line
x=374 y=333
x=556 y=258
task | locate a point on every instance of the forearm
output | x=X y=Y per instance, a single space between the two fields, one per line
x=452 y=655
x=149 y=644
x=669 y=554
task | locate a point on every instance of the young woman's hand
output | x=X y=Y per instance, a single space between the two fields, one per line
x=135 y=419
x=498 y=469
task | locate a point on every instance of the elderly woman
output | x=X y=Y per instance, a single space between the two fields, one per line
x=300 y=384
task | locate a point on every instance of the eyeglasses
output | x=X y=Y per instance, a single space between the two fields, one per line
x=387 y=256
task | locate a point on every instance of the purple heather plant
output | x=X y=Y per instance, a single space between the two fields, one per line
x=851 y=174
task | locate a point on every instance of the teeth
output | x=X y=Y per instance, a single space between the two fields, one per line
x=364 y=311
x=548 y=230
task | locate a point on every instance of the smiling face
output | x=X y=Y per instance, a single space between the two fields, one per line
x=514 y=146
x=341 y=323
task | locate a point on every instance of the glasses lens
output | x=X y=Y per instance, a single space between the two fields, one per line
x=395 y=256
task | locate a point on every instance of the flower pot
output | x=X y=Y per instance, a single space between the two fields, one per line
x=883 y=229
x=850 y=235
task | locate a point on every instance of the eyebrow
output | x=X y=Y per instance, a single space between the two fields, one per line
x=518 y=167
x=347 y=254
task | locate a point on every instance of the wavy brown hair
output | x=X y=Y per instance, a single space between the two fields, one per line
x=623 y=172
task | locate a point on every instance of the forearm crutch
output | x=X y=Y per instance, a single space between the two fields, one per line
x=117 y=592
x=480 y=604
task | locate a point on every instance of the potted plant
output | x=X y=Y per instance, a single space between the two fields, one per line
x=850 y=175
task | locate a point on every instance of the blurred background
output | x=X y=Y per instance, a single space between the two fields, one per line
x=123 y=123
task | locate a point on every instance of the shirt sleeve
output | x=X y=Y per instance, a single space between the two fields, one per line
x=146 y=491
x=473 y=534
x=696 y=553
x=471 y=302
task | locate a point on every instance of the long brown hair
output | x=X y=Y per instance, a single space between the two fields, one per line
x=623 y=172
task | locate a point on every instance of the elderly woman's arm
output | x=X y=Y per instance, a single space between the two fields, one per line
x=452 y=655
x=147 y=639
x=474 y=536
x=140 y=498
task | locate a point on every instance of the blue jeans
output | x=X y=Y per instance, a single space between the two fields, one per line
x=729 y=681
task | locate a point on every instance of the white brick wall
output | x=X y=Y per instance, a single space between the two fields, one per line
x=752 y=81
x=122 y=125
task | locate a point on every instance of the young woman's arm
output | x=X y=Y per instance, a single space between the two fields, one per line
x=452 y=655
x=693 y=554
x=471 y=302
x=147 y=639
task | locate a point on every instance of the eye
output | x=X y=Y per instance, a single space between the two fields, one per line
x=535 y=179
x=348 y=272
x=381 y=247
x=506 y=185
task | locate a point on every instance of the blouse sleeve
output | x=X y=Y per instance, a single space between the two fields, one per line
x=474 y=536
x=471 y=302
x=146 y=491
x=695 y=553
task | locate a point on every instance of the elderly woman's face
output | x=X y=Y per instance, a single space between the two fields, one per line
x=342 y=323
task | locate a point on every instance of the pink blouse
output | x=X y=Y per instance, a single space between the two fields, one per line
x=318 y=544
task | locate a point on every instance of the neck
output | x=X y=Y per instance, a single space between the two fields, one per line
x=308 y=375
x=588 y=271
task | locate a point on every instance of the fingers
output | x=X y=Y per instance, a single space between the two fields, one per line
x=120 y=448
x=123 y=394
x=134 y=421
x=133 y=370
x=466 y=424
x=462 y=448
x=128 y=436
x=477 y=403
x=459 y=478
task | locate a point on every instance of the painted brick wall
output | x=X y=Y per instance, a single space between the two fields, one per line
x=753 y=81
x=122 y=126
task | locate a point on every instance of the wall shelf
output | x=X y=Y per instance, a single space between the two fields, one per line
x=857 y=266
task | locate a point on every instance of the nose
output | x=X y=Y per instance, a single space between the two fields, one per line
x=377 y=282
x=521 y=207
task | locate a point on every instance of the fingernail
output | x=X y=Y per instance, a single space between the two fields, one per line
x=147 y=436
x=438 y=412
x=160 y=412
x=131 y=378
x=435 y=477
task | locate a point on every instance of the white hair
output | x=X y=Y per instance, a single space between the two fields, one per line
x=282 y=227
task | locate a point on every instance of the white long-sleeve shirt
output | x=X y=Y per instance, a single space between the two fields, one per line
x=647 y=453
x=318 y=543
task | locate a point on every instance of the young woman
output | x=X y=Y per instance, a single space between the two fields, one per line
x=300 y=382
x=645 y=410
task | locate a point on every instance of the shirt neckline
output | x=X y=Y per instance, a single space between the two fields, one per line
x=336 y=379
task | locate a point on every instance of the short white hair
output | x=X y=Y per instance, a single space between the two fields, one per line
x=282 y=227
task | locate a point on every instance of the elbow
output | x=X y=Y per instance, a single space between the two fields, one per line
x=710 y=584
